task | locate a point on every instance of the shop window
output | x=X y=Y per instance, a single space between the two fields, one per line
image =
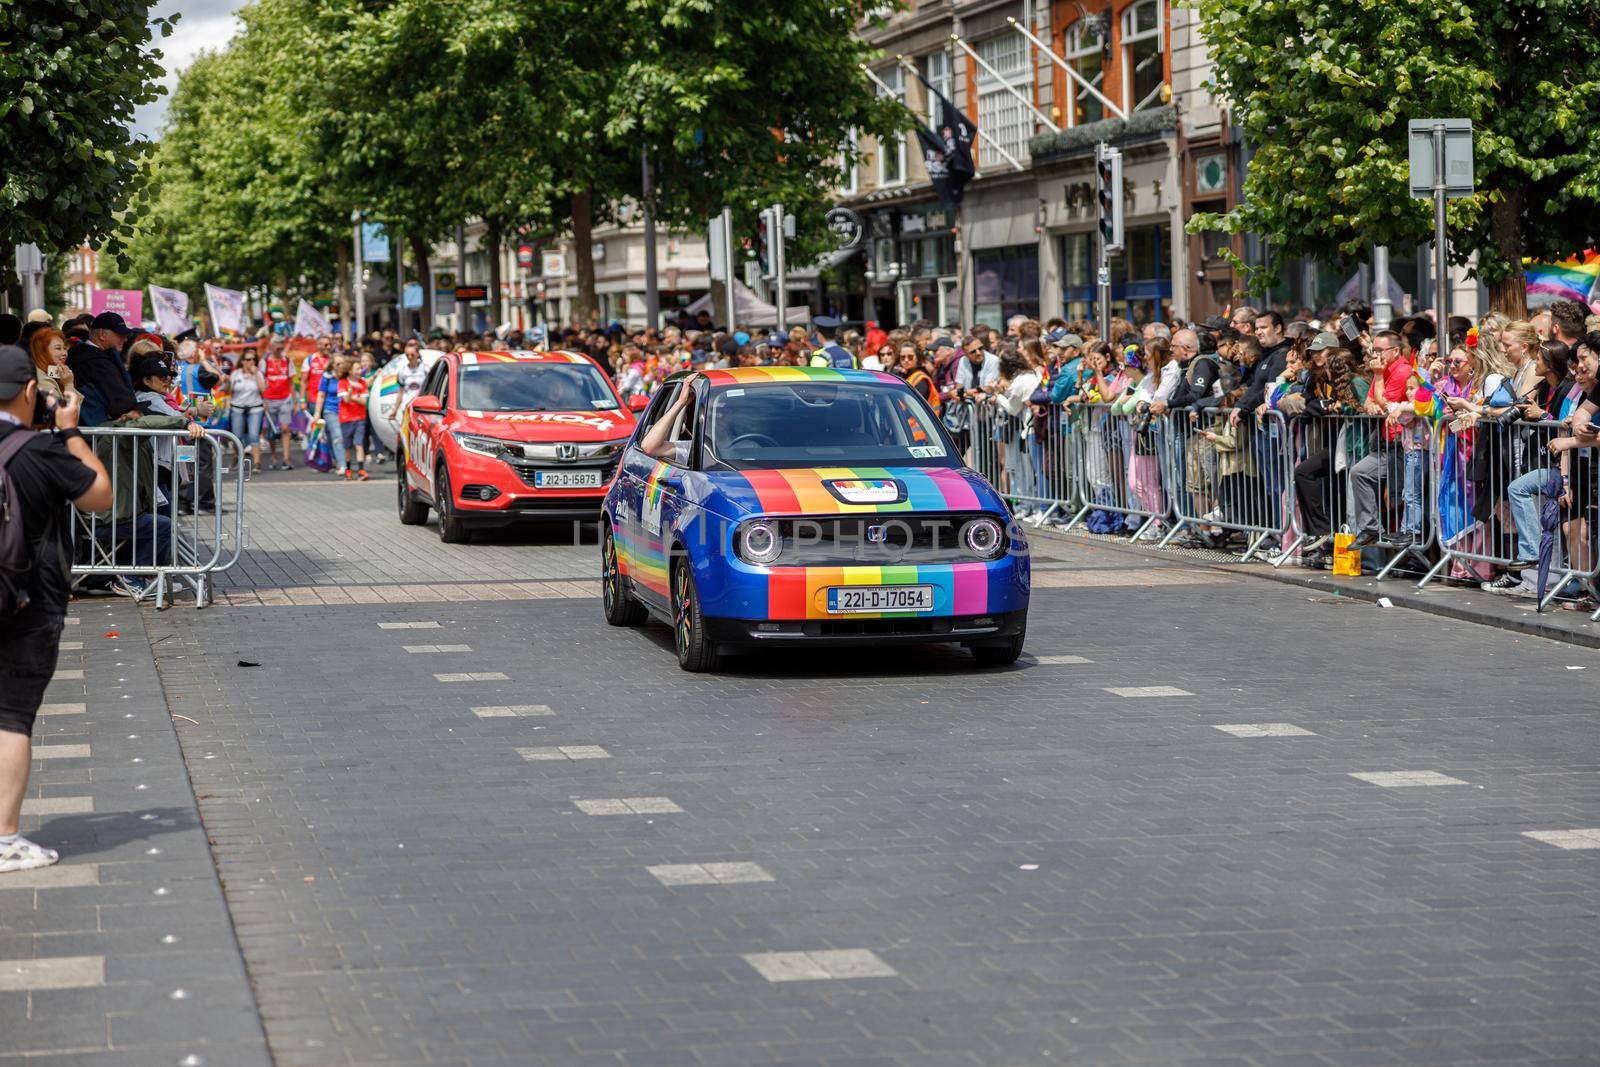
x=1005 y=283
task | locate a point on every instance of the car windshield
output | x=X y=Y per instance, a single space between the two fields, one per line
x=527 y=386
x=825 y=424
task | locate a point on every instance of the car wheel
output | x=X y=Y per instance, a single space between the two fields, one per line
x=1002 y=653
x=452 y=528
x=413 y=512
x=621 y=608
x=695 y=650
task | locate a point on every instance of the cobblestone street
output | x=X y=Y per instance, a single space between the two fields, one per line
x=483 y=827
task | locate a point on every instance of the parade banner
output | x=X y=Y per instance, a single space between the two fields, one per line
x=227 y=310
x=129 y=303
x=171 y=307
x=309 y=322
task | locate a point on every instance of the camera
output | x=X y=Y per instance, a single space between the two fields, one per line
x=44 y=411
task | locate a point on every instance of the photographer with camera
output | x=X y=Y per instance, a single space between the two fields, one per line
x=40 y=473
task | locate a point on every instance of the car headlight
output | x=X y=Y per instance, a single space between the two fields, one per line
x=760 y=543
x=609 y=449
x=486 y=446
x=984 y=538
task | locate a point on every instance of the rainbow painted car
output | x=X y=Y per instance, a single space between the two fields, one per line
x=809 y=506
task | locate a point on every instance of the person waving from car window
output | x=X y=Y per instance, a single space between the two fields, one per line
x=679 y=416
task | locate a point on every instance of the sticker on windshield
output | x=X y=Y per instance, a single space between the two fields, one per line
x=733 y=392
x=603 y=402
x=926 y=451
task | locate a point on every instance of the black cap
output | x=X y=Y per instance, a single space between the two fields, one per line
x=825 y=322
x=110 y=320
x=150 y=366
x=941 y=344
x=16 y=371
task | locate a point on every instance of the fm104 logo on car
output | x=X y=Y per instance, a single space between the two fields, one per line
x=599 y=422
x=790 y=506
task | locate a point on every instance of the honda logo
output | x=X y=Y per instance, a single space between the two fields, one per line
x=566 y=452
x=877 y=534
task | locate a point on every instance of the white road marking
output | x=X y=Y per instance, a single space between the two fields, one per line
x=473 y=676
x=62 y=709
x=567 y=752
x=628 y=806
x=820 y=965
x=1265 y=729
x=1148 y=691
x=1405 y=779
x=438 y=648
x=1059 y=661
x=501 y=711
x=430 y=625
x=1571 y=840
x=73 y=675
x=709 y=873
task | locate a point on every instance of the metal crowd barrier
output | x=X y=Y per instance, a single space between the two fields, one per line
x=1027 y=458
x=1120 y=468
x=1449 y=498
x=1492 y=478
x=1223 y=474
x=177 y=516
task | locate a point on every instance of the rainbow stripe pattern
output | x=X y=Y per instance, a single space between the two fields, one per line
x=849 y=490
x=958 y=589
x=473 y=359
x=1577 y=279
x=764 y=375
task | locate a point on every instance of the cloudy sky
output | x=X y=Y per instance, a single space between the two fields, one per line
x=205 y=25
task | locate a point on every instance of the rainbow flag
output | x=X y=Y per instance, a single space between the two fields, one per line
x=1577 y=278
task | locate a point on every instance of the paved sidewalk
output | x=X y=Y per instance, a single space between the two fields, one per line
x=123 y=954
x=1450 y=601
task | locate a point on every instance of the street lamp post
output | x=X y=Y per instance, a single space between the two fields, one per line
x=652 y=295
x=359 y=283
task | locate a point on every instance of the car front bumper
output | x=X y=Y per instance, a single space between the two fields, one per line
x=842 y=630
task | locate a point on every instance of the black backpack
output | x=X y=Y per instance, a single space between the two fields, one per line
x=16 y=564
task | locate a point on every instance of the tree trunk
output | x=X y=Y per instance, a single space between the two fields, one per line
x=588 y=306
x=492 y=239
x=1509 y=295
x=341 y=260
x=419 y=252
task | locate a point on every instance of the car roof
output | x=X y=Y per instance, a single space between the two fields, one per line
x=473 y=359
x=765 y=375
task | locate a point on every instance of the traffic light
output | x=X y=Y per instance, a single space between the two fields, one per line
x=1108 y=182
x=764 y=232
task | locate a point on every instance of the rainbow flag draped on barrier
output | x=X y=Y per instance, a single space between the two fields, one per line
x=1577 y=278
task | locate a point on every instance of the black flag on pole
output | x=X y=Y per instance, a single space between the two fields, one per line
x=947 y=149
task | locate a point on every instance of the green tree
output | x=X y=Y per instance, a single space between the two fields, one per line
x=1323 y=92
x=71 y=74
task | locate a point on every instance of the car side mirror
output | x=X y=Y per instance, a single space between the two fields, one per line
x=426 y=405
x=638 y=402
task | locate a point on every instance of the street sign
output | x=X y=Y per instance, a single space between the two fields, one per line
x=524 y=255
x=472 y=292
x=374 y=242
x=847 y=226
x=716 y=246
x=555 y=265
x=1458 y=169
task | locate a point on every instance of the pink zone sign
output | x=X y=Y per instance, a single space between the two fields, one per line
x=129 y=303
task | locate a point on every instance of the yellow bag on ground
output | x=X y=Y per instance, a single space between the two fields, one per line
x=1346 y=560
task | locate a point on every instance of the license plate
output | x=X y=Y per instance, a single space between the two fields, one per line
x=845 y=599
x=566 y=479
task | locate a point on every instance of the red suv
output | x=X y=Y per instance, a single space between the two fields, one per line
x=498 y=437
